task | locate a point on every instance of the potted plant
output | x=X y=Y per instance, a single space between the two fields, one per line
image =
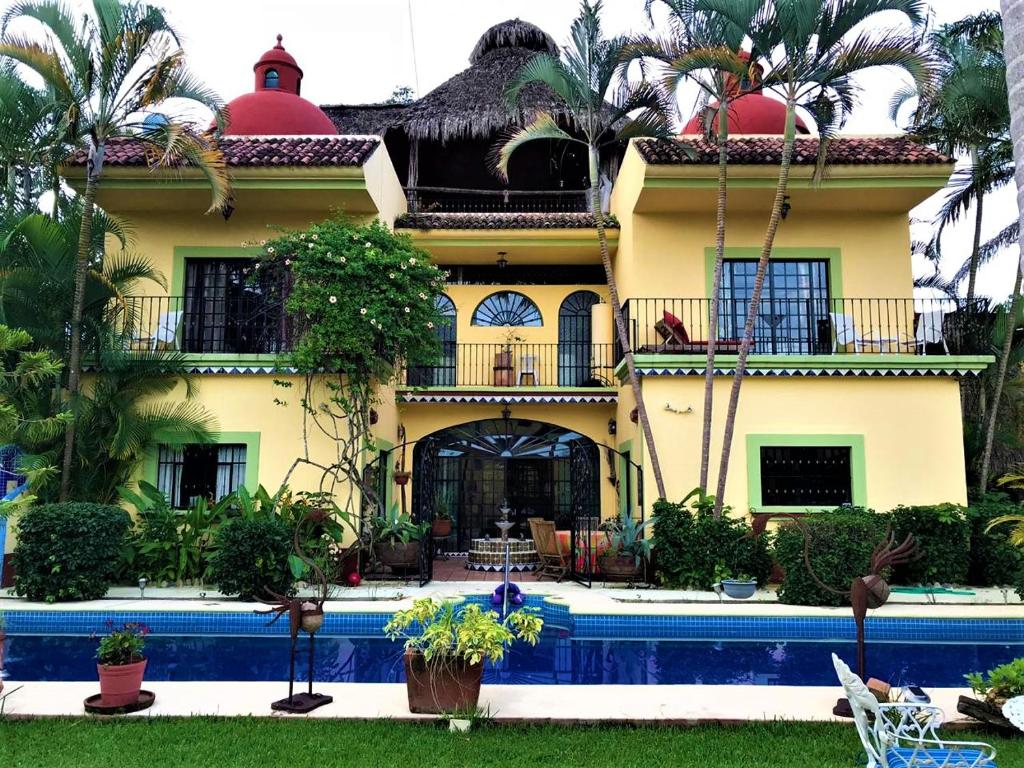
x=446 y=645
x=993 y=689
x=504 y=372
x=739 y=587
x=441 y=527
x=401 y=476
x=121 y=665
x=396 y=539
x=627 y=550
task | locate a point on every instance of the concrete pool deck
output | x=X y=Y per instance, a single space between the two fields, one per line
x=577 y=704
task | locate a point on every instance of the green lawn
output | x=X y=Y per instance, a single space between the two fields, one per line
x=264 y=743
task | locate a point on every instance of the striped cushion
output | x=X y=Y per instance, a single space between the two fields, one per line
x=907 y=757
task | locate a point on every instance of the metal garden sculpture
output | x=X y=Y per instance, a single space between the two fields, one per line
x=865 y=592
x=307 y=615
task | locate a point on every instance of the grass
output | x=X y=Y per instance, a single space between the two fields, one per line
x=266 y=743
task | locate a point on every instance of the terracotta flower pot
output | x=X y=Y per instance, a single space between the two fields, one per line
x=120 y=684
x=620 y=567
x=439 y=688
x=402 y=477
x=441 y=528
x=399 y=557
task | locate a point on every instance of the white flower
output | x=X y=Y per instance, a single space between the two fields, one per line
x=333 y=299
x=412 y=260
x=362 y=311
x=257 y=265
x=373 y=322
x=302 y=236
x=311 y=246
x=430 y=325
x=368 y=245
x=313 y=236
x=423 y=295
x=270 y=250
x=263 y=242
x=404 y=267
x=407 y=310
x=391 y=275
x=287 y=262
x=342 y=259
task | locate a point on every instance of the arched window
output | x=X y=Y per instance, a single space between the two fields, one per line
x=575 y=348
x=271 y=79
x=507 y=308
x=441 y=374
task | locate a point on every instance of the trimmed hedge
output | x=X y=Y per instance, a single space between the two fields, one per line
x=251 y=557
x=943 y=536
x=840 y=550
x=995 y=562
x=689 y=544
x=68 y=551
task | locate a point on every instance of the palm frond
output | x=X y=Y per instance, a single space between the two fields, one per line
x=543 y=127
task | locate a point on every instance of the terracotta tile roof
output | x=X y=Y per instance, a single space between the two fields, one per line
x=500 y=220
x=260 y=151
x=767 y=150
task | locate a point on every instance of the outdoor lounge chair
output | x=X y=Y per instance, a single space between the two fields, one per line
x=677 y=341
x=166 y=331
x=553 y=562
x=905 y=735
x=844 y=332
x=929 y=331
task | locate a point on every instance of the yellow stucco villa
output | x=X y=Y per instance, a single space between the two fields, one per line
x=853 y=389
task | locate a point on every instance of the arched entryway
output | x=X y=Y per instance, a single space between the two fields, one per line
x=575 y=341
x=541 y=469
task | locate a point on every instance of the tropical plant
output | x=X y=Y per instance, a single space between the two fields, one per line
x=447 y=631
x=967 y=112
x=999 y=684
x=627 y=538
x=123 y=646
x=584 y=77
x=109 y=70
x=809 y=51
x=396 y=527
x=704 y=50
x=251 y=559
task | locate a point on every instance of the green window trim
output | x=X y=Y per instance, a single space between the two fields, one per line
x=833 y=256
x=858 y=469
x=625 y=471
x=251 y=441
x=389 y=469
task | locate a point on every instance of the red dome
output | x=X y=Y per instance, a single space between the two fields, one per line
x=275 y=107
x=750 y=114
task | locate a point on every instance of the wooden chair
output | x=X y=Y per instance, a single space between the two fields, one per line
x=553 y=562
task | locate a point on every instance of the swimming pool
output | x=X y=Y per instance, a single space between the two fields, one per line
x=574 y=649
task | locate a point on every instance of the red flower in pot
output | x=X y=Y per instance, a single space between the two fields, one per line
x=121 y=664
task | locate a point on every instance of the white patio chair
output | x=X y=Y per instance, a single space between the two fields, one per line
x=166 y=332
x=528 y=367
x=844 y=331
x=904 y=735
x=929 y=331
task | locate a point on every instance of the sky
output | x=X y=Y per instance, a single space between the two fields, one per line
x=358 y=51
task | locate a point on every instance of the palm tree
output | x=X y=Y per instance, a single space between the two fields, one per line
x=584 y=77
x=810 y=51
x=968 y=112
x=709 y=53
x=108 y=70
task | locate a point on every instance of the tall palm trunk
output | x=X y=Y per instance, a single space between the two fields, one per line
x=1012 y=12
x=716 y=283
x=978 y=214
x=1004 y=359
x=620 y=323
x=755 y=300
x=95 y=166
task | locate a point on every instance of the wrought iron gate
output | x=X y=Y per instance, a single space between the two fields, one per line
x=423 y=499
x=585 y=511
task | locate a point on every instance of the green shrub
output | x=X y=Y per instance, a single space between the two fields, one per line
x=840 y=550
x=68 y=551
x=943 y=536
x=691 y=543
x=995 y=562
x=251 y=557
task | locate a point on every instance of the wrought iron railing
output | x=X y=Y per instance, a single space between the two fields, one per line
x=812 y=326
x=458 y=200
x=243 y=324
x=569 y=364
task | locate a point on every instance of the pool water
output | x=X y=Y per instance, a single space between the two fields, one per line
x=557 y=659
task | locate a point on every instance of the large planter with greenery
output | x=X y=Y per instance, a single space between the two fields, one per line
x=121 y=665
x=627 y=551
x=396 y=540
x=993 y=689
x=446 y=646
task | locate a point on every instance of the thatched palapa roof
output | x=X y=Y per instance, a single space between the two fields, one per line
x=472 y=103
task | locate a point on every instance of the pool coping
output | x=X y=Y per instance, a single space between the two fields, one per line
x=560 y=704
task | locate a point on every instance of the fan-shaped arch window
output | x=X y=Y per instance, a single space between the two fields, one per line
x=271 y=79
x=507 y=308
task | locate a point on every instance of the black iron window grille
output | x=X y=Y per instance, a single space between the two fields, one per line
x=813 y=476
x=190 y=472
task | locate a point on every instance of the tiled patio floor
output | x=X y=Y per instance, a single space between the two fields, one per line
x=454 y=569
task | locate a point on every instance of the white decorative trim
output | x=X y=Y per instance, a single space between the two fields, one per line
x=826 y=372
x=512 y=399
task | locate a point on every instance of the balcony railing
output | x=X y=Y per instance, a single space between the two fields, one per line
x=458 y=200
x=569 y=364
x=812 y=326
x=246 y=324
